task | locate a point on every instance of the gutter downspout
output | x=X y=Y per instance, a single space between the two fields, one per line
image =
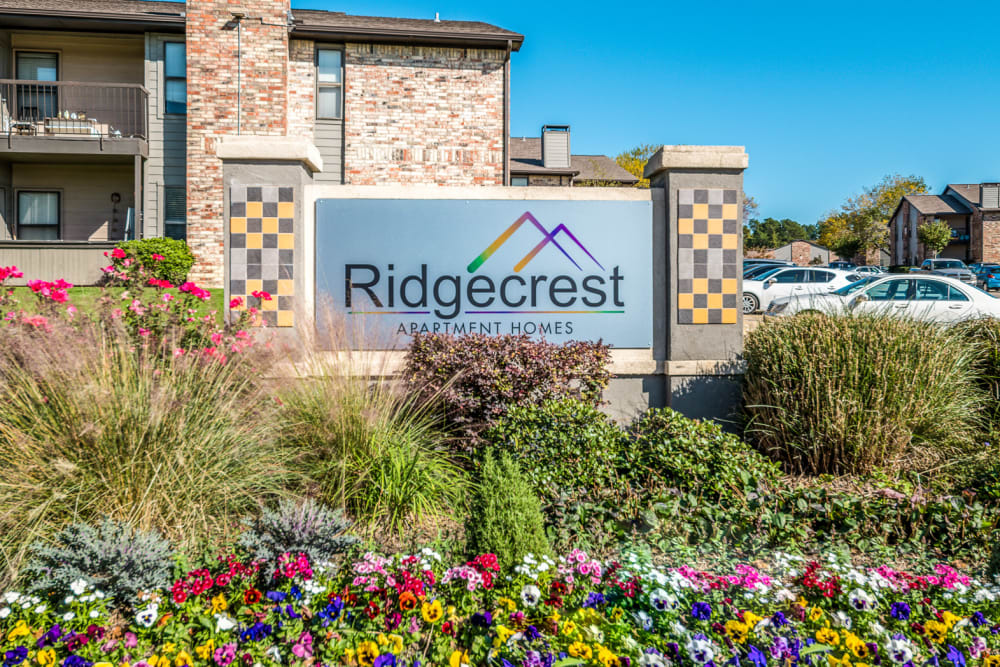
x=506 y=115
x=239 y=71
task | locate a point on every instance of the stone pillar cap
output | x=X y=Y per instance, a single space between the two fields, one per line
x=270 y=148
x=696 y=157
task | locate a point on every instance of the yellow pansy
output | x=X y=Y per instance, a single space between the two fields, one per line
x=607 y=658
x=737 y=631
x=834 y=662
x=828 y=637
x=183 y=658
x=459 y=659
x=991 y=661
x=206 y=650
x=169 y=648
x=507 y=603
x=950 y=619
x=367 y=652
x=46 y=657
x=20 y=630
x=580 y=650
x=103 y=664
x=616 y=614
x=802 y=602
x=348 y=656
x=815 y=614
x=568 y=628
x=856 y=645
x=751 y=619
x=504 y=633
x=158 y=661
x=431 y=611
x=219 y=603
x=936 y=631
x=396 y=644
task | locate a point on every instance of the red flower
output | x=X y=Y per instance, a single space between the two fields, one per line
x=236 y=302
x=447 y=628
x=118 y=253
x=179 y=595
x=251 y=596
x=157 y=257
x=262 y=295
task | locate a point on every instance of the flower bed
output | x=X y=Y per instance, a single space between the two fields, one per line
x=411 y=610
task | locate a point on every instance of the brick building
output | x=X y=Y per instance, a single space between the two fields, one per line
x=118 y=116
x=971 y=210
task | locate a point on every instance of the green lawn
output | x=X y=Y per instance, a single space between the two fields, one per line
x=85 y=298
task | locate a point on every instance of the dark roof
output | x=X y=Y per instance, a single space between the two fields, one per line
x=969 y=192
x=937 y=205
x=309 y=23
x=526 y=159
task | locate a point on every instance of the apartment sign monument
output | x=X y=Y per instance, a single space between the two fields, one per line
x=558 y=270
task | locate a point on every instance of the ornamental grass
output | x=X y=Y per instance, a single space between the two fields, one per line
x=92 y=425
x=850 y=394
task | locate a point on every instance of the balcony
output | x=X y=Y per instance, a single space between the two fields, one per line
x=73 y=118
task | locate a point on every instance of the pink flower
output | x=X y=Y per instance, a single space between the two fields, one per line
x=118 y=253
x=37 y=285
x=178 y=352
x=116 y=313
x=59 y=296
x=9 y=272
x=157 y=257
x=217 y=338
x=162 y=284
x=236 y=303
x=262 y=295
x=143 y=332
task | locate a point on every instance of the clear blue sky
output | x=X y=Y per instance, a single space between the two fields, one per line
x=827 y=97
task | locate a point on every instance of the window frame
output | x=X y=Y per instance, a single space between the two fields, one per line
x=519 y=178
x=167 y=221
x=17 y=213
x=320 y=85
x=52 y=90
x=166 y=78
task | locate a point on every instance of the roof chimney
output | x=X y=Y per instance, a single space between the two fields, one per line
x=989 y=196
x=437 y=17
x=555 y=146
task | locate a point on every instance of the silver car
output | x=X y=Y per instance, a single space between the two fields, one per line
x=950 y=268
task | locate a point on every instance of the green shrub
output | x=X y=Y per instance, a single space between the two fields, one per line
x=670 y=450
x=850 y=394
x=505 y=517
x=112 y=557
x=175 y=265
x=984 y=334
x=477 y=377
x=994 y=566
x=92 y=426
x=304 y=527
x=561 y=445
x=366 y=445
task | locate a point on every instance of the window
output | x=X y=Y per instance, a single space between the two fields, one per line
x=34 y=101
x=955 y=294
x=175 y=78
x=793 y=276
x=329 y=83
x=890 y=290
x=37 y=216
x=175 y=213
x=820 y=276
x=519 y=181
x=931 y=290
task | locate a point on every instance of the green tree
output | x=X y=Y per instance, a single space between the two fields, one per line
x=861 y=224
x=634 y=161
x=935 y=235
x=772 y=233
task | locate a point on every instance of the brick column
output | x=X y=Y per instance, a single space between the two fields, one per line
x=212 y=105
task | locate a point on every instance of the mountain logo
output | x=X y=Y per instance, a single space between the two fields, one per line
x=548 y=237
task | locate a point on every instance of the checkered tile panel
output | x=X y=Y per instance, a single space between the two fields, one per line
x=262 y=249
x=708 y=240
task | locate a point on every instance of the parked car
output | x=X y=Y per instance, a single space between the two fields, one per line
x=758 y=294
x=842 y=265
x=871 y=270
x=763 y=260
x=760 y=271
x=930 y=297
x=987 y=276
x=952 y=268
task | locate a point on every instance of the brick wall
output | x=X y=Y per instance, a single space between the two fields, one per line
x=301 y=88
x=991 y=236
x=211 y=108
x=416 y=114
x=800 y=253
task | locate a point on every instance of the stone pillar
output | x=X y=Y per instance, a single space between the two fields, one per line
x=223 y=76
x=702 y=345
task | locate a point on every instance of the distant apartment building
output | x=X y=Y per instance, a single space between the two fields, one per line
x=116 y=115
x=971 y=210
x=547 y=161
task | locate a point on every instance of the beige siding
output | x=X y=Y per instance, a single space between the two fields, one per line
x=329 y=139
x=166 y=165
x=88 y=213
x=103 y=58
x=79 y=263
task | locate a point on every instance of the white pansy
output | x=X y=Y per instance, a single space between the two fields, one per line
x=652 y=660
x=679 y=628
x=68 y=616
x=79 y=587
x=224 y=623
x=662 y=600
x=147 y=615
x=643 y=619
x=900 y=650
x=861 y=600
x=841 y=619
x=530 y=595
x=40 y=609
x=274 y=654
x=11 y=597
x=878 y=628
x=5 y=612
x=94 y=613
x=700 y=650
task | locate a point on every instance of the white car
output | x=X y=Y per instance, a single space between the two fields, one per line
x=867 y=270
x=793 y=281
x=930 y=298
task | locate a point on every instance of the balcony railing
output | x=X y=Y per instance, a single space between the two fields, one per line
x=73 y=109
